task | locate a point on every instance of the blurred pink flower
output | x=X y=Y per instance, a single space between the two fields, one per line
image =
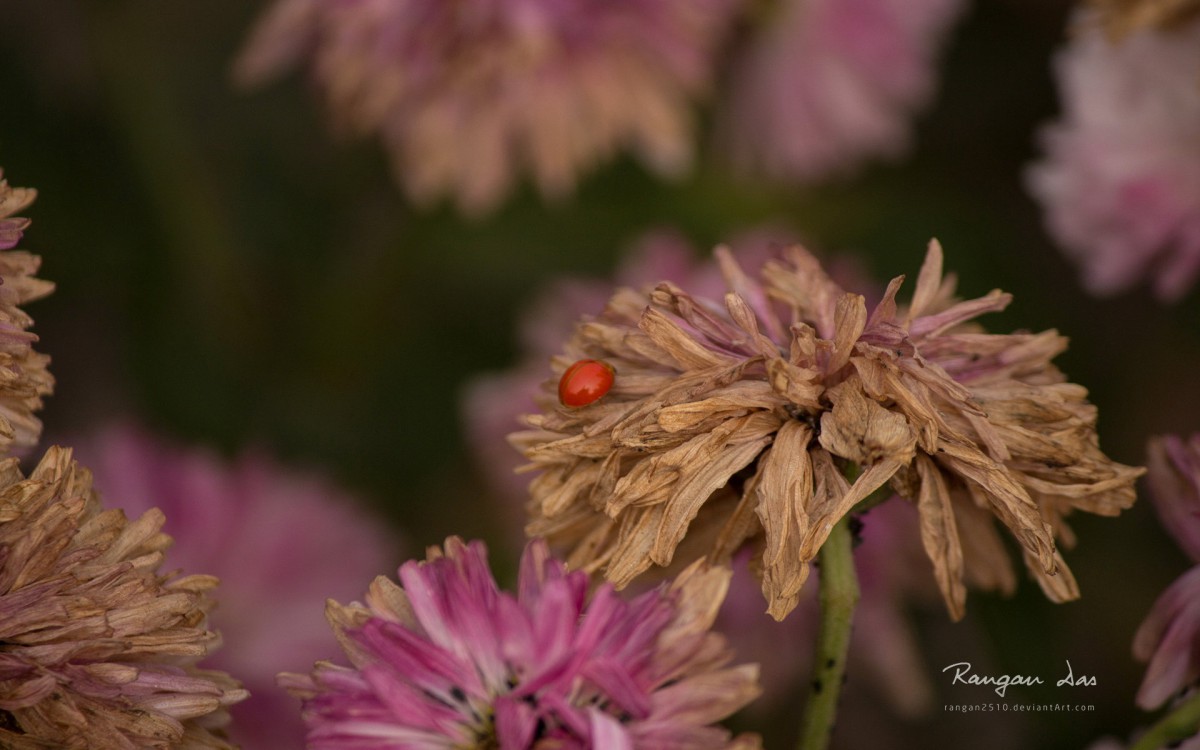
x=450 y=661
x=1120 y=182
x=281 y=543
x=825 y=84
x=1169 y=639
x=466 y=95
x=883 y=651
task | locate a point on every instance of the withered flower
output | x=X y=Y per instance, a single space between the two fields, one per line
x=1122 y=17
x=97 y=647
x=24 y=379
x=741 y=421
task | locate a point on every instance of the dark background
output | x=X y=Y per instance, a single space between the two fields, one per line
x=230 y=273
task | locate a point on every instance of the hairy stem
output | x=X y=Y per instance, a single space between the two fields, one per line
x=839 y=596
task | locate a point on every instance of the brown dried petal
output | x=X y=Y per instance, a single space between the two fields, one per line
x=1059 y=586
x=986 y=562
x=745 y=440
x=740 y=526
x=709 y=324
x=751 y=292
x=784 y=488
x=798 y=385
x=687 y=353
x=859 y=429
x=735 y=400
x=1009 y=500
x=939 y=535
x=1123 y=17
x=929 y=282
x=637 y=534
x=849 y=320
x=804 y=286
x=882 y=382
x=823 y=517
x=744 y=317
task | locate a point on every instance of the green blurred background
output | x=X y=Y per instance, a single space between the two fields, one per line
x=231 y=274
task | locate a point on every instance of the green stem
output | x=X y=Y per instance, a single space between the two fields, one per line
x=877 y=497
x=1180 y=724
x=839 y=596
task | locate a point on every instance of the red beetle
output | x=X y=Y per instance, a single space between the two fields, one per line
x=585 y=382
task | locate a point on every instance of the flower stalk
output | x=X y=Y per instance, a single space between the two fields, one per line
x=839 y=596
x=1178 y=725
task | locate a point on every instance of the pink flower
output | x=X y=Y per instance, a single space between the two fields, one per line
x=449 y=661
x=1120 y=182
x=466 y=96
x=280 y=542
x=1170 y=636
x=828 y=83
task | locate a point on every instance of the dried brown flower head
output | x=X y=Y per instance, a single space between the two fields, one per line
x=24 y=379
x=97 y=648
x=738 y=421
x=1123 y=17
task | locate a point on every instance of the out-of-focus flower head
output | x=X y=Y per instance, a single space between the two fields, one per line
x=738 y=418
x=282 y=542
x=468 y=95
x=1120 y=182
x=448 y=660
x=1121 y=17
x=24 y=379
x=97 y=647
x=825 y=84
x=1169 y=639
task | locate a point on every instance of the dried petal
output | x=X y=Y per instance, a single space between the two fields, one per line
x=968 y=425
